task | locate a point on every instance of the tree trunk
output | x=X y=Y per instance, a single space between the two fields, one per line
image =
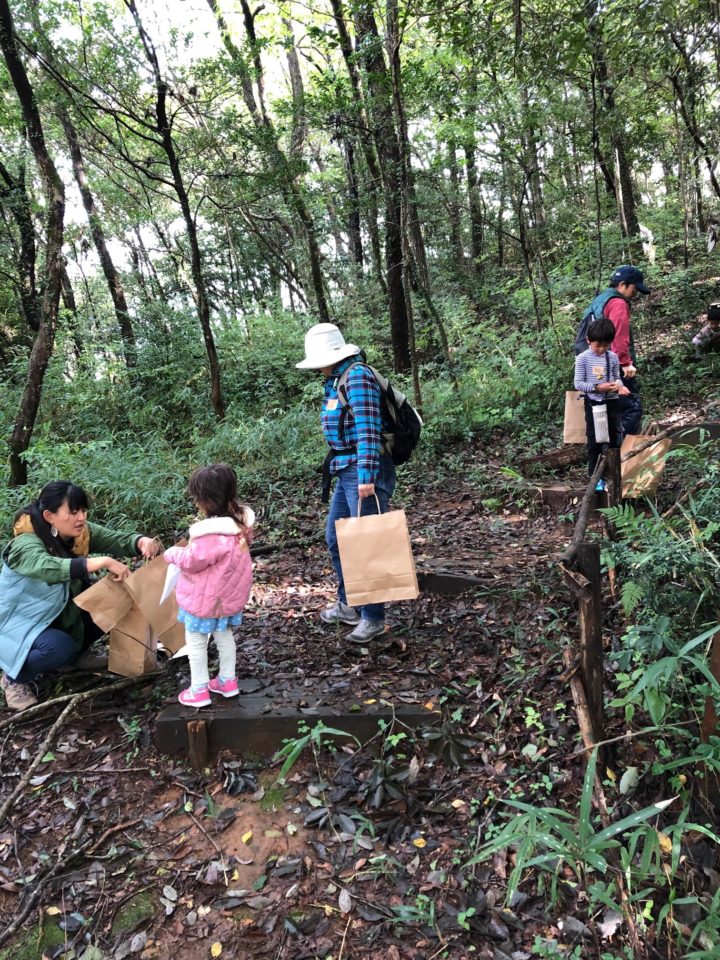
x=300 y=125
x=413 y=245
x=614 y=127
x=68 y=299
x=14 y=192
x=381 y=111
x=291 y=190
x=114 y=282
x=456 y=241
x=686 y=97
x=354 y=225
x=55 y=200
x=366 y=140
x=474 y=206
x=164 y=129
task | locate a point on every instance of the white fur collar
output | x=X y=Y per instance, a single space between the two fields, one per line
x=222 y=525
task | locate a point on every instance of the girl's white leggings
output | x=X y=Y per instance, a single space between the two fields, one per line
x=197 y=644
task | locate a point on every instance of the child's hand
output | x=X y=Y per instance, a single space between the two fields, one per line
x=605 y=387
x=623 y=392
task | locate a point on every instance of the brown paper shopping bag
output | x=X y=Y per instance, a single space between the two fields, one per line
x=376 y=558
x=641 y=473
x=132 y=614
x=133 y=646
x=107 y=602
x=574 y=427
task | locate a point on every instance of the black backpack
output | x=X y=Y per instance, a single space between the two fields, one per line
x=402 y=424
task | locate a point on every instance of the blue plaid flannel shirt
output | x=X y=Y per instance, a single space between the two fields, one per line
x=362 y=422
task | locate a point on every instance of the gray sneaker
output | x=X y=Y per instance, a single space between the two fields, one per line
x=340 y=613
x=18 y=696
x=367 y=630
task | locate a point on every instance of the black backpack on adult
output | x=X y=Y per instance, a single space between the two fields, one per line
x=402 y=424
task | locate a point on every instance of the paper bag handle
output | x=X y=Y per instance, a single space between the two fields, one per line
x=360 y=500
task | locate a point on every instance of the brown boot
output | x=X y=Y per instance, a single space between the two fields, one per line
x=92 y=662
x=18 y=696
x=87 y=662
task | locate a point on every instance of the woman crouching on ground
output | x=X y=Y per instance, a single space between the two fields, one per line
x=47 y=563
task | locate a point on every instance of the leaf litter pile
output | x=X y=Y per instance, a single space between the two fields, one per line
x=111 y=850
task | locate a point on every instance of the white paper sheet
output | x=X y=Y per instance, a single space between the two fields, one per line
x=171 y=578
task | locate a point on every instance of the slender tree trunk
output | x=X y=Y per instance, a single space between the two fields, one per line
x=114 y=282
x=414 y=247
x=532 y=161
x=614 y=125
x=165 y=131
x=354 y=224
x=474 y=206
x=14 y=192
x=291 y=189
x=55 y=199
x=386 y=140
x=686 y=97
x=500 y=231
x=68 y=299
x=300 y=125
x=375 y=183
x=456 y=241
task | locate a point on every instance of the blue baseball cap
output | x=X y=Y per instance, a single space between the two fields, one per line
x=629 y=274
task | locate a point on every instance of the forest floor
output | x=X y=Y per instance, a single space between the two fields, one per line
x=134 y=854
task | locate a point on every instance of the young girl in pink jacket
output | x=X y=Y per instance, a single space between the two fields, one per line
x=215 y=580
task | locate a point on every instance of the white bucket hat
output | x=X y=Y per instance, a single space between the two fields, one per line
x=324 y=347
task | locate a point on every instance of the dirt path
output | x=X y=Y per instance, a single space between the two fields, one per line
x=198 y=870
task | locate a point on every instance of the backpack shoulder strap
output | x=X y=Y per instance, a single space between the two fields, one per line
x=343 y=378
x=603 y=299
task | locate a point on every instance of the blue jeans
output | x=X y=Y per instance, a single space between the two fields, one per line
x=630 y=409
x=344 y=504
x=53 y=648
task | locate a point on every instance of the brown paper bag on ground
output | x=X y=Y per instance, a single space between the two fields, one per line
x=131 y=613
x=145 y=586
x=133 y=646
x=107 y=602
x=376 y=558
x=574 y=427
x=641 y=474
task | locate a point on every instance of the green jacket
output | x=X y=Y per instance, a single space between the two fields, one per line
x=36 y=590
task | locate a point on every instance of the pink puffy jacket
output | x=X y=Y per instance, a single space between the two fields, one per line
x=215 y=568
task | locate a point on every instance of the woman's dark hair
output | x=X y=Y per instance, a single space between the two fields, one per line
x=214 y=489
x=52 y=496
x=601 y=330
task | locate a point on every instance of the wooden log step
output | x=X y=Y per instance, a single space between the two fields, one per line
x=255 y=727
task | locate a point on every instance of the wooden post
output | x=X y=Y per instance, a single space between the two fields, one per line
x=197 y=744
x=613 y=477
x=591 y=650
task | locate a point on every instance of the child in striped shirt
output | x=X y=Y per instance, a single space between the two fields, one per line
x=597 y=375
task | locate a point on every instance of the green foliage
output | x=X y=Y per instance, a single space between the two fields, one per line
x=316 y=739
x=550 y=839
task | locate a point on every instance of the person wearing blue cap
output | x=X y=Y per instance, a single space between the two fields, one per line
x=626 y=283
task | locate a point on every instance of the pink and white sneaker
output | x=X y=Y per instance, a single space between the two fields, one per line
x=197 y=698
x=226 y=688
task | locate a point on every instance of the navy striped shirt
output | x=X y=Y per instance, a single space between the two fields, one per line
x=590 y=370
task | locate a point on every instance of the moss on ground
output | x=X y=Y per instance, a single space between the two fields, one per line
x=131 y=914
x=31 y=944
x=274 y=798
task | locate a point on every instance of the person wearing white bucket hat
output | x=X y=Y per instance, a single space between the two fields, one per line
x=356 y=459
